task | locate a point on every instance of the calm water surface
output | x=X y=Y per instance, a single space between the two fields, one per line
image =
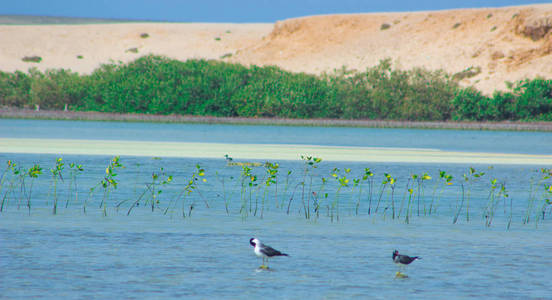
x=456 y=140
x=152 y=255
x=149 y=256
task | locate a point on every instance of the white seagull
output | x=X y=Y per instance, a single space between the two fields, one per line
x=264 y=251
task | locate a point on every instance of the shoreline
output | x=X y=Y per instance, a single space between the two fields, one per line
x=14 y=113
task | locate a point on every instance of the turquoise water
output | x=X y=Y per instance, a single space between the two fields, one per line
x=454 y=140
x=148 y=254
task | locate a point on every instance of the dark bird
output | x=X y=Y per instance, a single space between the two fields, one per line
x=264 y=251
x=403 y=260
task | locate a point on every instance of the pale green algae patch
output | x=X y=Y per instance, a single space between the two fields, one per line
x=260 y=151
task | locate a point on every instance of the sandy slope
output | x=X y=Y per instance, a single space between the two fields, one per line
x=507 y=44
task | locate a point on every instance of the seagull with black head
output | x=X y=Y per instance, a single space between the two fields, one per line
x=402 y=260
x=264 y=251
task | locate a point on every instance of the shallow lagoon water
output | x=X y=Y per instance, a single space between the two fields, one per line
x=145 y=256
x=447 y=140
x=151 y=255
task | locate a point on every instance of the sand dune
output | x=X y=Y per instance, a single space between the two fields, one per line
x=503 y=44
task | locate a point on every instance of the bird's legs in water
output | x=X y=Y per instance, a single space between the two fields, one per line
x=263 y=266
x=399 y=274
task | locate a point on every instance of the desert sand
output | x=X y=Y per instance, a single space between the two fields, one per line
x=501 y=44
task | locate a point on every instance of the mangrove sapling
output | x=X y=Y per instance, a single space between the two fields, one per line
x=257 y=187
x=529 y=200
x=311 y=163
x=469 y=179
x=135 y=203
x=291 y=196
x=90 y=195
x=504 y=194
x=406 y=190
x=200 y=175
x=368 y=175
x=56 y=174
x=444 y=180
x=415 y=179
x=74 y=171
x=459 y=207
x=245 y=178
x=356 y=183
x=545 y=196
x=9 y=167
x=335 y=175
x=158 y=180
x=224 y=196
x=109 y=182
x=248 y=180
x=382 y=189
x=286 y=187
x=491 y=202
x=271 y=170
x=317 y=203
x=547 y=201
x=33 y=173
x=252 y=185
x=510 y=217
x=4 y=173
x=342 y=182
x=391 y=181
x=21 y=174
x=534 y=189
x=192 y=184
x=14 y=177
x=420 y=194
x=185 y=193
x=547 y=175
x=408 y=212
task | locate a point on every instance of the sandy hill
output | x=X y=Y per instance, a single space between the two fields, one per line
x=496 y=44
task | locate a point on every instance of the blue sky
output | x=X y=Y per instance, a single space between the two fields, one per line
x=238 y=11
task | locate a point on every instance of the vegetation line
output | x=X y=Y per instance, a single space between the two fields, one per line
x=159 y=86
x=331 y=192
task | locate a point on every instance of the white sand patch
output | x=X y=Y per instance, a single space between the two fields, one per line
x=261 y=151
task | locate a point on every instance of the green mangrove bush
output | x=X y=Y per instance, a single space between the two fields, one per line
x=159 y=85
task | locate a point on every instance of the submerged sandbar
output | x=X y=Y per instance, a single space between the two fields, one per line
x=261 y=151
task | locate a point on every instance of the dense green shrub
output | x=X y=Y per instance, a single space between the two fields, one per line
x=159 y=85
x=386 y=93
x=505 y=106
x=34 y=59
x=530 y=100
x=534 y=99
x=14 y=89
x=470 y=104
x=54 y=89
